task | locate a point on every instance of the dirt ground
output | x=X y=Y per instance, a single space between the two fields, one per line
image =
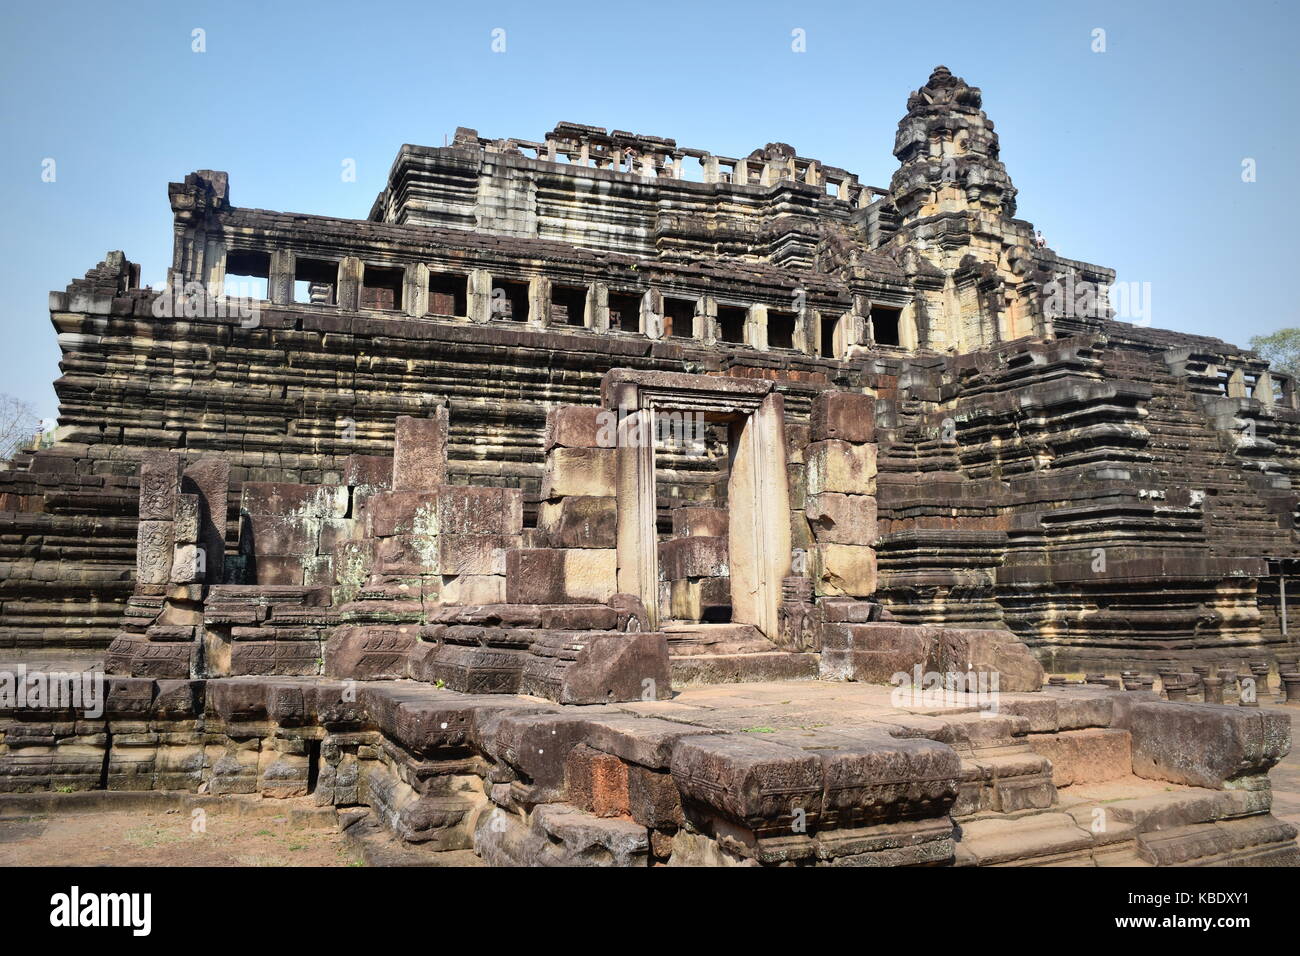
x=161 y=837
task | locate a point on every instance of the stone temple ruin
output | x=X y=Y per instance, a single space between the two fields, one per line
x=474 y=513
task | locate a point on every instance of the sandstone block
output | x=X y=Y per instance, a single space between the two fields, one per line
x=573 y=426
x=846 y=416
x=420 y=452
x=579 y=522
x=1169 y=740
x=472 y=589
x=842 y=519
x=369 y=652
x=753 y=782
x=560 y=576
x=282 y=498
x=469 y=510
x=476 y=554
x=701 y=599
x=839 y=466
x=403 y=512
x=580 y=471
x=694 y=557
x=961 y=650
x=845 y=569
x=693 y=520
x=1085 y=756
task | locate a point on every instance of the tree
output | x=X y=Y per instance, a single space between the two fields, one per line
x=18 y=425
x=1281 y=348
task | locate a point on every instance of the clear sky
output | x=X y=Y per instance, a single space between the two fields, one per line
x=1130 y=158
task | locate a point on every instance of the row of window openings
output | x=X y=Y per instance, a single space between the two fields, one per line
x=247 y=274
x=1250 y=383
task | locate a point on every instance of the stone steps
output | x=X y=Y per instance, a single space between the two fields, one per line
x=742 y=668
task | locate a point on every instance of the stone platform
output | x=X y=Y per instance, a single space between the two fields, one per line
x=788 y=772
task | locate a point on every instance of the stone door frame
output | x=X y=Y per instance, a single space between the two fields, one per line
x=758 y=526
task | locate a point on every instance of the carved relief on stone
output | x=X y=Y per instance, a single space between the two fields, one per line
x=158 y=485
x=153 y=555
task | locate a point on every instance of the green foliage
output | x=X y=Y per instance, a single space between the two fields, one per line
x=1281 y=348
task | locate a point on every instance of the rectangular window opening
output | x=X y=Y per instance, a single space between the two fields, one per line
x=828 y=337
x=314 y=281
x=510 y=300
x=780 y=329
x=731 y=324
x=884 y=322
x=448 y=294
x=679 y=318
x=381 y=288
x=625 y=311
x=247 y=274
x=568 y=305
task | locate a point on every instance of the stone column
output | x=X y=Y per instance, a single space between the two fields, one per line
x=841 y=488
x=758 y=533
x=279 y=283
x=637 y=538
x=706 y=319
x=155 y=534
x=480 y=295
x=349 y=283
x=598 y=307
x=539 y=302
x=652 y=315
x=415 y=289
x=756 y=334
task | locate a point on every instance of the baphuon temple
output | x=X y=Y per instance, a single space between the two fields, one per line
x=469 y=517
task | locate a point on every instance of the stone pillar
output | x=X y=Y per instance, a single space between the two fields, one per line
x=706 y=319
x=637 y=538
x=841 y=487
x=415 y=289
x=805 y=324
x=598 y=307
x=758 y=533
x=349 y=284
x=279 y=282
x=209 y=480
x=155 y=534
x=652 y=316
x=710 y=164
x=539 y=301
x=420 y=452
x=480 y=295
x=756 y=333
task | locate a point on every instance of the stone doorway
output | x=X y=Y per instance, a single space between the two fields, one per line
x=758 y=497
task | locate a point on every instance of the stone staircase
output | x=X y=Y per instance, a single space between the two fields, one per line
x=731 y=653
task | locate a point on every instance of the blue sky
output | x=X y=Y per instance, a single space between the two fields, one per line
x=1130 y=158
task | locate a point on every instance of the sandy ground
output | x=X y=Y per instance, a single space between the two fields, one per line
x=157 y=837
